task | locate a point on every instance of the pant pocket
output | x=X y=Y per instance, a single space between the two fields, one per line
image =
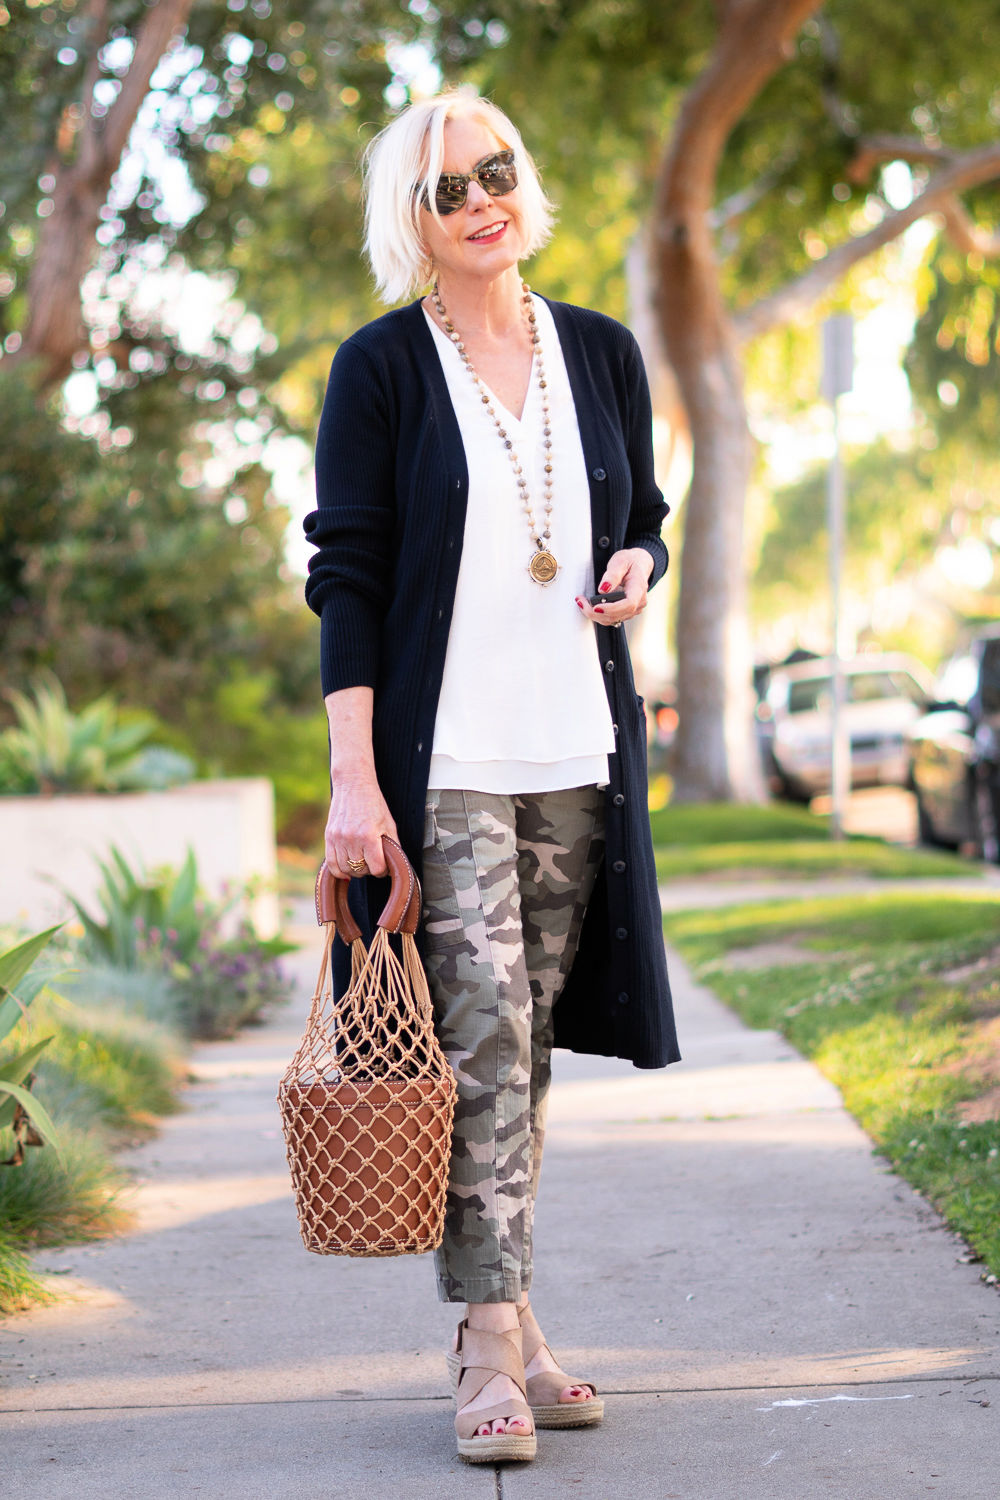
x=442 y=918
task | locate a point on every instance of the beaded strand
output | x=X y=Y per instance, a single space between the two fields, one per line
x=543 y=566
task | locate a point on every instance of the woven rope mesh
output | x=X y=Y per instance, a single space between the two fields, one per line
x=366 y=1108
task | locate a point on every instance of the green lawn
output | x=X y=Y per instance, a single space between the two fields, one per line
x=715 y=838
x=896 y=998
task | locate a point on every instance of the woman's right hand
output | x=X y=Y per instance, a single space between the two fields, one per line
x=358 y=818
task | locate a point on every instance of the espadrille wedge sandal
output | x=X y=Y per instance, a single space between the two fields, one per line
x=543 y=1391
x=480 y=1356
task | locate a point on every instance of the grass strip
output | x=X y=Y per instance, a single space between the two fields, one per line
x=896 y=999
x=764 y=857
x=776 y=839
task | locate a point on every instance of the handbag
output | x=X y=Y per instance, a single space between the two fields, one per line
x=368 y=1100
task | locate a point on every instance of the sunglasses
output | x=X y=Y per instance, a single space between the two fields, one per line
x=496 y=175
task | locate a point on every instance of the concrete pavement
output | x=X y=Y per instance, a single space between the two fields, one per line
x=770 y=1311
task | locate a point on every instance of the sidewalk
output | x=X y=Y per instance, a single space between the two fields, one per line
x=774 y=1314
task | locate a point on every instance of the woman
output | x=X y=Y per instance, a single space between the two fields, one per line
x=484 y=458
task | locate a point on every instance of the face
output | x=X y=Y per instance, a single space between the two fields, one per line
x=484 y=237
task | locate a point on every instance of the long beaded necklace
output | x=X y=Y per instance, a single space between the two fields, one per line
x=543 y=566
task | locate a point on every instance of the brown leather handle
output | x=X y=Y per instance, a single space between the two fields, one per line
x=402 y=910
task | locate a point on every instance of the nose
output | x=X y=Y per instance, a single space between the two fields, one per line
x=477 y=199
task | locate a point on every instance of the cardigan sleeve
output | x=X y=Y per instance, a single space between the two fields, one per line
x=648 y=505
x=352 y=528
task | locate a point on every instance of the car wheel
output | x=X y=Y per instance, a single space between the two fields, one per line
x=985 y=817
x=789 y=790
x=926 y=832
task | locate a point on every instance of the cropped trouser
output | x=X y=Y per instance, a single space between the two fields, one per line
x=506 y=884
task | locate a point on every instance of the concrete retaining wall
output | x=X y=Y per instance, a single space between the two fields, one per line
x=51 y=842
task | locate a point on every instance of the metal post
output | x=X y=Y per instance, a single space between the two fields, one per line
x=840 y=747
x=838 y=373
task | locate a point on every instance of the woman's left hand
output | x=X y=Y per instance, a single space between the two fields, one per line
x=628 y=570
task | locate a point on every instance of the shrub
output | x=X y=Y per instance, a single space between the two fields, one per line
x=57 y=1198
x=160 y=924
x=230 y=983
x=52 y=749
x=19 y=1287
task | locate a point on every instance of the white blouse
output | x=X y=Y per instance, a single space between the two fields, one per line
x=523 y=706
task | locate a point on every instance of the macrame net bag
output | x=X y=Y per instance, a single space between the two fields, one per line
x=367 y=1101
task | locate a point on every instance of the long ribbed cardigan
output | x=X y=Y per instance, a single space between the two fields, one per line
x=392 y=487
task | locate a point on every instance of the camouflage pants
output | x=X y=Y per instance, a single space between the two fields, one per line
x=506 y=884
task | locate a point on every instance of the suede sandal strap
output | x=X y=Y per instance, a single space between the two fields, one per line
x=547 y=1388
x=532 y=1337
x=482 y=1355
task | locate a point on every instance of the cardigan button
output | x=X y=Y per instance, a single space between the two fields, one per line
x=621 y=933
x=618 y=799
x=604 y=542
x=609 y=666
x=600 y=474
x=615 y=728
x=623 y=998
x=420 y=746
x=619 y=867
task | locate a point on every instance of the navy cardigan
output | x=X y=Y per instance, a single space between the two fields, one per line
x=392 y=486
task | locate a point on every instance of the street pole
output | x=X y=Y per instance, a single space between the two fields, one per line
x=838 y=378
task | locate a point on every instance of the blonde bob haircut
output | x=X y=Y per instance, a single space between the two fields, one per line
x=404 y=159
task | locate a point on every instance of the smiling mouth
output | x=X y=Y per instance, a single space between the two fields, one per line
x=490 y=233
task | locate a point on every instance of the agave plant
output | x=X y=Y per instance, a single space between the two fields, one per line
x=53 y=749
x=142 y=915
x=19 y=1109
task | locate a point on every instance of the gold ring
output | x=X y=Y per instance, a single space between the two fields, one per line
x=357 y=865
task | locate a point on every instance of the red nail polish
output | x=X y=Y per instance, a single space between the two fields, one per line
x=598 y=610
x=604 y=588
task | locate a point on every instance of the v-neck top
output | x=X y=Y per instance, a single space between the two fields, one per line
x=523 y=707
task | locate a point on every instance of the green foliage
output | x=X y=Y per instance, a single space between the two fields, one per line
x=119 y=1068
x=231 y=982
x=717 y=823
x=869 y=922
x=159 y=923
x=20 y=1112
x=953 y=361
x=896 y=1016
x=766 y=857
x=145 y=916
x=19 y=1287
x=61 y=1199
x=901 y=507
x=54 y=749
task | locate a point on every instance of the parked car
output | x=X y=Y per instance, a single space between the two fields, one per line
x=954 y=753
x=884 y=695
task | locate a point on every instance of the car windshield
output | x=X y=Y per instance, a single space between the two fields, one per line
x=812 y=693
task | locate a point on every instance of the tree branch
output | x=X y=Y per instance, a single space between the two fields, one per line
x=754 y=42
x=89 y=150
x=965 y=170
x=877 y=148
x=971 y=238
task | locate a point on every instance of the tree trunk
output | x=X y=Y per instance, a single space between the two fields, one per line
x=54 y=330
x=716 y=757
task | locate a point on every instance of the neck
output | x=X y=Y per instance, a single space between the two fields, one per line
x=493 y=308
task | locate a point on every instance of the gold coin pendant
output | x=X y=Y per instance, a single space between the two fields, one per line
x=543 y=566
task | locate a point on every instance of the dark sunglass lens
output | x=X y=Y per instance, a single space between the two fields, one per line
x=451 y=193
x=498 y=176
